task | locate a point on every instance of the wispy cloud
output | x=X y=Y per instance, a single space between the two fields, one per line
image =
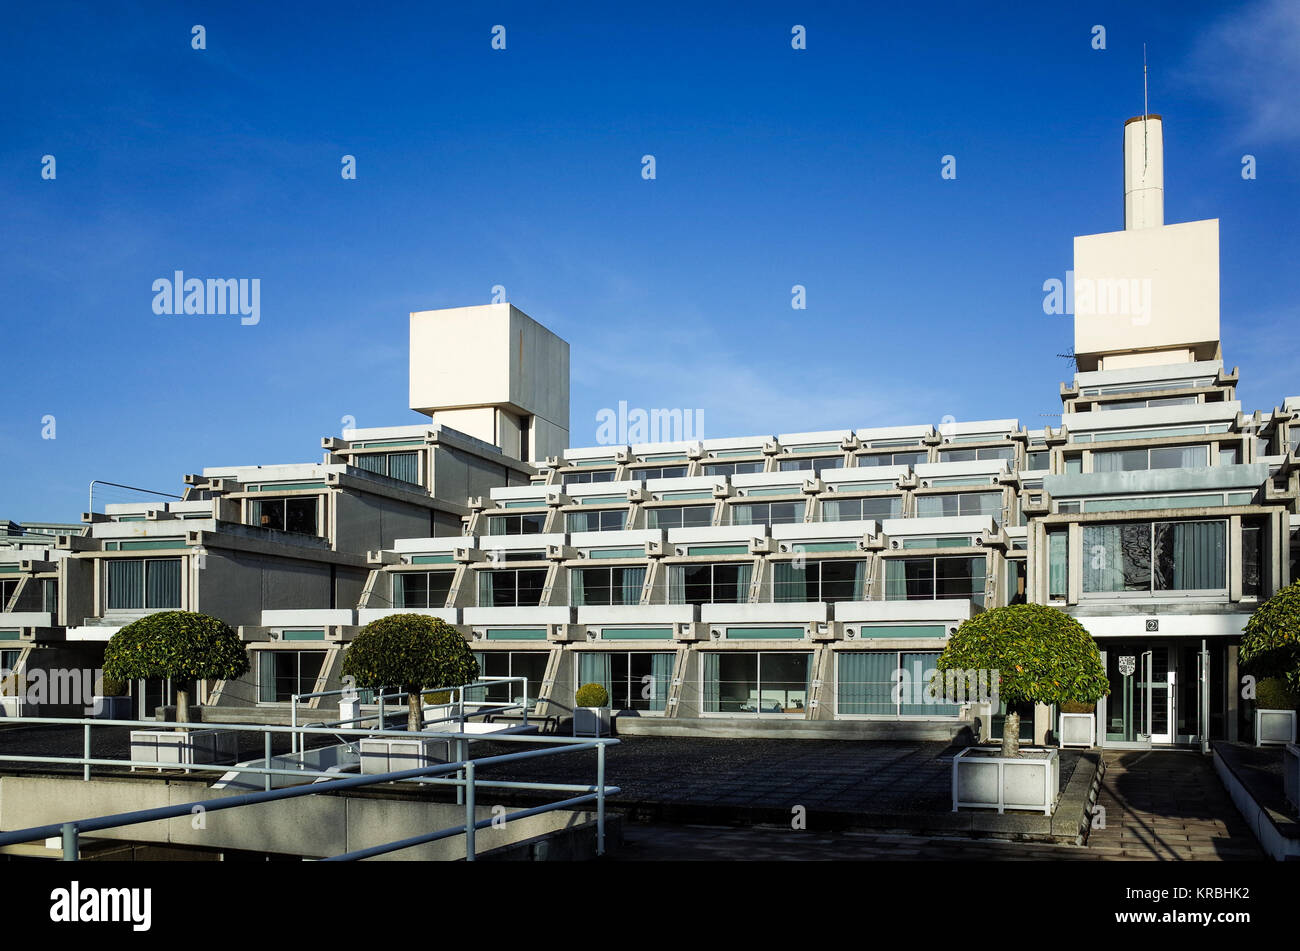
x=1250 y=61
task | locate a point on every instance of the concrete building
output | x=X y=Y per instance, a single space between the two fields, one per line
x=799 y=582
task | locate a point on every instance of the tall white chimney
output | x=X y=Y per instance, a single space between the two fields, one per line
x=1144 y=173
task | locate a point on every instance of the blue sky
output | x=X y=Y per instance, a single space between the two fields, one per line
x=522 y=167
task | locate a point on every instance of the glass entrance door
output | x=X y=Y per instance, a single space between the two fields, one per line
x=1140 y=707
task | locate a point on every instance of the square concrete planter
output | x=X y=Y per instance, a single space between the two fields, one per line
x=983 y=779
x=383 y=754
x=1274 y=727
x=592 y=721
x=113 y=708
x=176 y=749
x=1078 y=729
x=11 y=706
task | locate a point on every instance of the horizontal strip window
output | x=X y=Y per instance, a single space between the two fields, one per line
x=1156 y=457
x=696 y=550
x=606 y=586
x=660 y=472
x=760 y=493
x=937 y=541
x=681 y=516
x=962 y=480
x=582 y=463
x=1148 y=387
x=597 y=553
x=286 y=486
x=421 y=589
x=1007 y=453
x=823 y=447
x=888 y=683
x=296 y=515
x=516 y=634
x=418 y=441
x=636 y=633
x=303 y=635
x=816 y=465
x=958 y=504
x=1115 y=435
x=1148 y=403
x=433 y=560
x=684 y=495
x=977 y=437
x=524 y=504
x=732 y=468
x=870 y=459
x=765 y=633
x=602 y=500
x=806 y=547
x=1140 y=503
x=750 y=682
x=1149 y=558
x=856 y=510
x=584 y=478
x=151 y=545
x=902 y=630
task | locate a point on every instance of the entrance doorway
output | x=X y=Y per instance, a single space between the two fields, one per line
x=1159 y=694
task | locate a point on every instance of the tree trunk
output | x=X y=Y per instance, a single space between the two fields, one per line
x=1011 y=734
x=415 y=711
x=182 y=706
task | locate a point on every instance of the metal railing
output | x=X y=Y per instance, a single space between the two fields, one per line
x=464 y=780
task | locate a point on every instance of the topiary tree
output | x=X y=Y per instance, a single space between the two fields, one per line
x=592 y=695
x=182 y=645
x=1033 y=653
x=1270 y=642
x=410 y=652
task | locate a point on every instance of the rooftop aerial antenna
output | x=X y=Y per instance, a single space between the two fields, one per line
x=1145 y=110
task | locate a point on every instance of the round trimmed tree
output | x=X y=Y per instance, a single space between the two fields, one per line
x=411 y=652
x=1270 y=642
x=182 y=645
x=1033 y=653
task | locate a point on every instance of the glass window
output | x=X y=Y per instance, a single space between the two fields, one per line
x=1007 y=453
x=865 y=508
x=815 y=464
x=531 y=665
x=635 y=680
x=888 y=683
x=1161 y=457
x=1252 y=558
x=528 y=523
x=511 y=588
x=741 y=682
x=1058 y=565
x=835 y=580
x=960 y=503
x=421 y=589
x=607 y=585
x=1038 y=461
x=582 y=478
x=660 y=472
x=679 y=516
x=709 y=583
x=926 y=579
x=144 y=583
x=1146 y=557
x=281 y=674
x=600 y=520
x=1229 y=455
x=296 y=514
x=767 y=513
x=732 y=468
x=404 y=466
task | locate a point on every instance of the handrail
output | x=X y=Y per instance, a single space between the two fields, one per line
x=467 y=786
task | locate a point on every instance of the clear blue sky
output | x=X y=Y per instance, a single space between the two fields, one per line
x=522 y=168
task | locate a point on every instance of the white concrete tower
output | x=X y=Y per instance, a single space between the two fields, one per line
x=1144 y=172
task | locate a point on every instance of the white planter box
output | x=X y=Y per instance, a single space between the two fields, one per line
x=1274 y=727
x=170 y=748
x=1078 y=729
x=11 y=706
x=981 y=779
x=382 y=754
x=591 y=721
x=440 y=717
x=1291 y=775
x=113 y=708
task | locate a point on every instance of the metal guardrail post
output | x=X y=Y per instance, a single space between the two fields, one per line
x=69 y=842
x=267 y=735
x=293 y=722
x=469 y=812
x=600 y=799
x=462 y=752
x=86 y=750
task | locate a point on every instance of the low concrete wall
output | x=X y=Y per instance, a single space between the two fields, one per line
x=1277 y=835
x=312 y=826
